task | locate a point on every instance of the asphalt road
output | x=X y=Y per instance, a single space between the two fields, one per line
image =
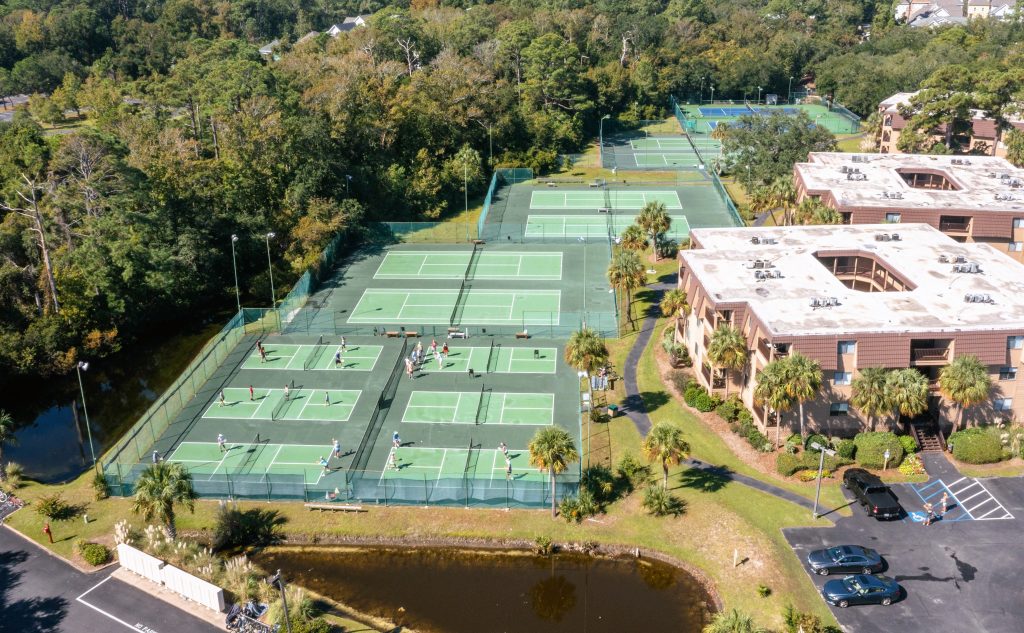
x=40 y=593
x=960 y=575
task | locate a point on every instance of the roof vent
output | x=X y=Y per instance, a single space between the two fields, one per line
x=1004 y=176
x=1004 y=196
x=895 y=237
x=856 y=175
x=755 y=240
x=961 y=161
x=991 y=174
x=978 y=298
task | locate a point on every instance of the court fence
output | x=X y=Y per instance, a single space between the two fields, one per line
x=367 y=487
x=726 y=199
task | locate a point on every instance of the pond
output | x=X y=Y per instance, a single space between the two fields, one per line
x=51 y=441
x=468 y=591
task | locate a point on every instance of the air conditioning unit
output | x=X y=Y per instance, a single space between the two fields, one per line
x=970 y=298
x=960 y=259
x=882 y=237
x=815 y=302
x=972 y=268
x=775 y=274
x=769 y=240
x=759 y=263
x=844 y=169
x=895 y=237
x=943 y=259
x=755 y=240
x=833 y=301
x=987 y=298
x=759 y=274
x=958 y=268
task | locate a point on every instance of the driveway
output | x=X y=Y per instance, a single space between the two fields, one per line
x=41 y=593
x=964 y=574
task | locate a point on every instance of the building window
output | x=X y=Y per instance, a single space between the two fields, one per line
x=893 y=218
x=1014 y=342
x=842 y=378
x=1003 y=404
x=850 y=347
x=1018 y=223
x=839 y=408
x=1008 y=373
x=1015 y=247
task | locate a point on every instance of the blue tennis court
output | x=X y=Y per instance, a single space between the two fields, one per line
x=724 y=111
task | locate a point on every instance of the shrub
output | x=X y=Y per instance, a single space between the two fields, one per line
x=99 y=486
x=575 y=509
x=659 y=502
x=746 y=429
x=871 y=449
x=94 y=553
x=788 y=463
x=764 y=591
x=705 y=402
x=812 y=473
x=682 y=355
x=908 y=443
x=600 y=481
x=242 y=529
x=729 y=409
x=846 y=449
x=543 y=545
x=912 y=465
x=634 y=472
x=14 y=474
x=692 y=391
x=815 y=438
x=976 y=446
x=745 y=417
x=54 y=507
x=681 y=381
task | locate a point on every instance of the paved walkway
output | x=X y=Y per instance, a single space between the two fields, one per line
x=938 y=467
x=40 y=592
x=633 y=406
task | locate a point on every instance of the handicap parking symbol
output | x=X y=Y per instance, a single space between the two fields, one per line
x=917 y=517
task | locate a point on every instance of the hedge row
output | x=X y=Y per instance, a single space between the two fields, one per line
x=976 y=446
x=871 y=449
x=788 y=463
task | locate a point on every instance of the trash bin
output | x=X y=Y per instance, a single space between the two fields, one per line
x=613 y=410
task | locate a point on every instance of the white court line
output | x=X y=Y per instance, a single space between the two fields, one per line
x=101 y=611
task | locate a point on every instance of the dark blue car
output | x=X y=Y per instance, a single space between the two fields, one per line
x=861 y=589
x=845 y=558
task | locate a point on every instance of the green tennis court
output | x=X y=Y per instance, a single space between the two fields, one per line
x=593 y=226
x=495 y=360
x=475 y=407
x=486 y=307
x=600 y=199
x=458 y=463
x=676 y=159
x=334 y=405
x=314 y=357
x=453 y=265
x=674 y=143
x=205 y=459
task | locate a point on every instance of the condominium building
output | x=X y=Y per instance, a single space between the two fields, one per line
x=982 y=138
x=852 y=297
x=970 y=199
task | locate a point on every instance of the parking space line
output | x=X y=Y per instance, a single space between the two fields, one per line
x=101 y=611
x=977 y=494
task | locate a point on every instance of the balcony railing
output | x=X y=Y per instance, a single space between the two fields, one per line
x=929 y=354
x=959 y=227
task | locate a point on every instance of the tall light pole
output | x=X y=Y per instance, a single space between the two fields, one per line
x=712 y=102
x=789 y=94
x=759 y=89
x=465 y=185
x=234 y=267
x=79 y=368
x=600 y=138
x=277 y=581
x=700 y=97
x=270 y=267
x=348 y=179
x=821 y=465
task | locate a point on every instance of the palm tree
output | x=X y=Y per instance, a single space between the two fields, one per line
x=633 y=239
x=675 y=303
x=626 y=273
x=964 y=382
x=871 y=394
x=158 y=489
x=908 y=392
x=665 y=443
x=803 y=381
x=771 y=392
x=6 y=436
x=732 y=622
x=654 y=220
x=552 y=449
x=727 y=350
x=586 y=351
x=814 y=211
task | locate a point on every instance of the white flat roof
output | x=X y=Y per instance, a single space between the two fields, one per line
x=978 y=181
x=723 y=265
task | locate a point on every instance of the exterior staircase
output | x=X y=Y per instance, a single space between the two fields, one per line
x=927 y=434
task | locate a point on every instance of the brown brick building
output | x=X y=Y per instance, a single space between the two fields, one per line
x=970 y=199
x=853 y=297
x=982 y=137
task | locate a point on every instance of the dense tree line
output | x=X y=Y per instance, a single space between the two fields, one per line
x=190 y=136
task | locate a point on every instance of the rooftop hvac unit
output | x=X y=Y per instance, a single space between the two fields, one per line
x=815 y=302
x=769 y=240
x=775 y=274
x=970 y=298
x=755 y=240
x=960 y=259
x=991 y=174
x=833 y=301
x=895 y=237
x=1004 y=176
x=943 y=259
x=958 y=268
x=759 y=263
x=987 y=298
x=972 y=268
x=760 y=274
x=857 y=158
x=844 y=169
x=882 y=237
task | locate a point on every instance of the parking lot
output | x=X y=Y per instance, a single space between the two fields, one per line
x=962 y=574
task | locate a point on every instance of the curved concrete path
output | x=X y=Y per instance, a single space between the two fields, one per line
x=633 y=406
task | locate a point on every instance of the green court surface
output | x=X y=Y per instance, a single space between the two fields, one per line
x=453 y=265
x=495 y=360
x=593 y=226
x=314 y=357
x=475 y=407
x=458 y=463
x=205 y=459
x=600 y=199
x=486 y=307
x=649 y=159
x=334 y=405
x=674 y=144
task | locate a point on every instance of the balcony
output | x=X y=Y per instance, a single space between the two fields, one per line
x=955 y=226
x=772 y=352
x=929 y=356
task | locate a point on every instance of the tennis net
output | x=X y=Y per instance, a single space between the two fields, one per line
x=380 y=411
x=694 y=146
x=250 y=456
x=480 y=407
x=280 y=407
x=473 y=260
x=469 y=460
x=314 y=357
x=491 y=360
x=456 y=314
